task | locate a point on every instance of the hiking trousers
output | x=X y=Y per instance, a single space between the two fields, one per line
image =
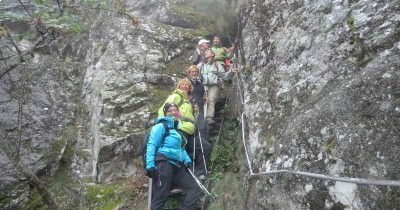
x=167 y=174
x=212 y=94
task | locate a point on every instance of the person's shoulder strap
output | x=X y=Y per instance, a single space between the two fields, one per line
x=216 y=66
x=166 y=133
x=180 y=100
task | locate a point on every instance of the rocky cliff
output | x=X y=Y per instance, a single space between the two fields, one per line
x=322 y=95
x=80 y=83
x=320 y=83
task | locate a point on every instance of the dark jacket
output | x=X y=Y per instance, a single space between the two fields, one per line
x=198 y=92
x=199 y=57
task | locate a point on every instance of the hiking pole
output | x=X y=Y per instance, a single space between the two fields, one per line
x=150 y=193
x=202 y=152
x=201 y=144
x=199 y=183
x=194 y=150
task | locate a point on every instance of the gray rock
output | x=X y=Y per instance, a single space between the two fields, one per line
x=329 y=76
x=92 y=93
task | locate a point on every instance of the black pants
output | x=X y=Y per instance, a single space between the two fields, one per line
x=196 y=153
x=169 y=174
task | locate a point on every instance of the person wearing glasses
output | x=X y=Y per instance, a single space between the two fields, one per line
x=167 y=164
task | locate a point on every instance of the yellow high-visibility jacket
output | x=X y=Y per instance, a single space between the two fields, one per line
x=181 y=99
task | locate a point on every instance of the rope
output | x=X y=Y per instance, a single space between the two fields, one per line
x=340 y=179
x=238 y=82
x=392 y=183
x=244 y=144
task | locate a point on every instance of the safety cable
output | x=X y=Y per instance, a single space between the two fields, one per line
x=341 y=179
x=244 y=145
x=238 y=82
x=392 y=183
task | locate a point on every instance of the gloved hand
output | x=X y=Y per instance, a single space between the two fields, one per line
x=188 y=165
x=151 y=172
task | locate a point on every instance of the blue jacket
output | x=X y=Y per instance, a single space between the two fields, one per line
x=173 y=148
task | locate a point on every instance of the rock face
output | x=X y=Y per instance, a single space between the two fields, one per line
x=38 y=103
x=321 y=87
x=91 y=94
x=124 y=69
x=328 y=73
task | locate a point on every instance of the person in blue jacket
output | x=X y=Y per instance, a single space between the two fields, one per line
x=168 y=164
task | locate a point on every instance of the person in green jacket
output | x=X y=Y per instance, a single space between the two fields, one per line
x=180 y=97
x=221 y=53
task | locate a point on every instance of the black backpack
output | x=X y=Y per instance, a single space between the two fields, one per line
x=146 y=140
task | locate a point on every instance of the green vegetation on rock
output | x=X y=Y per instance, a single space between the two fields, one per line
x=103 y=197
x=331 y=145
x=354 y=32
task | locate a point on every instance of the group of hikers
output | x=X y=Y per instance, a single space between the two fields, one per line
x=178 y=149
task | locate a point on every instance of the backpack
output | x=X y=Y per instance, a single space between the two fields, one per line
x=198 y=57
x=146 y=140
x=227 y=64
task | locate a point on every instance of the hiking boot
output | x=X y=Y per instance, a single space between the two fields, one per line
x=176 y=191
